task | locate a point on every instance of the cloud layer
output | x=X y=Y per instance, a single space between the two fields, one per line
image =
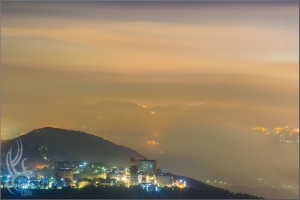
x=192 y=77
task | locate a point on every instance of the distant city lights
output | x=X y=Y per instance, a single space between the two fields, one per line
x=283 y=134
x=152 y=142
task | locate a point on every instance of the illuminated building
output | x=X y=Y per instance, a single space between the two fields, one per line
x=107 y=182
x=147 y=166
x=144 y=165
x=102 y=175
x=84 y=182
x=164 y=179
x=180 y=183
x=133 y=175
x=141 y=170
x=150 y=178
x=112 y=175
x=142 y=178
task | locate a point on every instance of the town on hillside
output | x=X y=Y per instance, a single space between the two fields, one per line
x=61 y=174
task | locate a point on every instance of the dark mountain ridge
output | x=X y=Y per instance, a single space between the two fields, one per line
x=49 y=144
x=53 y=144
x=264 y=191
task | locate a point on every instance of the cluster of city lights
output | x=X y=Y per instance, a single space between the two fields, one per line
x=290 y=187
x=217 y=182
x=43 y=155
x=276 y=129
x=284 y=134
x=283 y=185
x=153 y=142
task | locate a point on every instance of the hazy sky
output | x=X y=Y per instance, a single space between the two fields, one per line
x=193 y=77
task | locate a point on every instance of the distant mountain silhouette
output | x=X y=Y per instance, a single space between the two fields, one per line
x=59 y=144
x=264 y=191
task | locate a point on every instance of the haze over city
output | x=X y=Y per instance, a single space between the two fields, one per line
x=184 y=83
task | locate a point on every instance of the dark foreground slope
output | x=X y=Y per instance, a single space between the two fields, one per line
x=264 y=191
x=56 y=144
x=119 y=192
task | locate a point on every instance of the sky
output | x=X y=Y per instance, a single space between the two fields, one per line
x=180 y=82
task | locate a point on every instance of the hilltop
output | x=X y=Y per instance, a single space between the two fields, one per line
x=49 y=144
